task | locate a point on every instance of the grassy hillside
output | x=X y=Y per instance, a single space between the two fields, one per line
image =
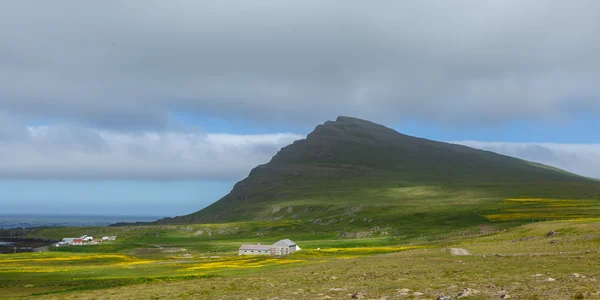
x=356 y=178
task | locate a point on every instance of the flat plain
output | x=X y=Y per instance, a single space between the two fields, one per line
x=523 y=262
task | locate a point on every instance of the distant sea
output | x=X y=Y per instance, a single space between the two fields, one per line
x=26 y=221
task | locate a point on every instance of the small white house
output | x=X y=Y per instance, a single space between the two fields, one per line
x=109 y=238
x=289 y=244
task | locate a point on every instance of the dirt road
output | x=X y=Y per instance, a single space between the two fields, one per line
x=459 y=251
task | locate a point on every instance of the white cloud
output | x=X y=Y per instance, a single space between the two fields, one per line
x=78 y=152
x=72 y=152
x=128 y=63
x=582 y=159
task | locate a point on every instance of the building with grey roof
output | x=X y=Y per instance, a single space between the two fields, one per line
x=256 y=249
x=282 y=247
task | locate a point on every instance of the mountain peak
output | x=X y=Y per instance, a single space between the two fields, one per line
x=350 y=153
x=346 y=119
x=355 y=122
x=353 y=128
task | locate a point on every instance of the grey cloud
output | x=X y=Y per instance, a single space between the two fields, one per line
x=74 y=152
x=11 y=129
x=127 y=64
x=582 y=159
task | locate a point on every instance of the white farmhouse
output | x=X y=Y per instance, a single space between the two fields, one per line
x=287 y=243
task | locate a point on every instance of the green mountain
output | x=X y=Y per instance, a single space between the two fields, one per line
x=352 y=174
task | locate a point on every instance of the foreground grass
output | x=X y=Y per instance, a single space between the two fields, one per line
x=429 y=273
x=62 y=272
x=502 y=263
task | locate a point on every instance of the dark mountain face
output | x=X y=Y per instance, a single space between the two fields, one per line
x=344 y=158
x=355 y=143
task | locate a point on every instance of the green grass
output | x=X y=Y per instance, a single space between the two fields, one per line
x=65 y=272
x=502 y=262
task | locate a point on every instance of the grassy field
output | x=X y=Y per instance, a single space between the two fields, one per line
x=86 y=268
x=523 y=262
x=503 y=261
x=515 y=209
x=51 y=272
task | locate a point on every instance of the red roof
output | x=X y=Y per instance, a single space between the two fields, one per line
x=77 y=240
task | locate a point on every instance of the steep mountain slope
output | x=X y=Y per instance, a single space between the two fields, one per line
x=351 y=172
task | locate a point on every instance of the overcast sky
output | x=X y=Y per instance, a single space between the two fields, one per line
x=196 y=93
